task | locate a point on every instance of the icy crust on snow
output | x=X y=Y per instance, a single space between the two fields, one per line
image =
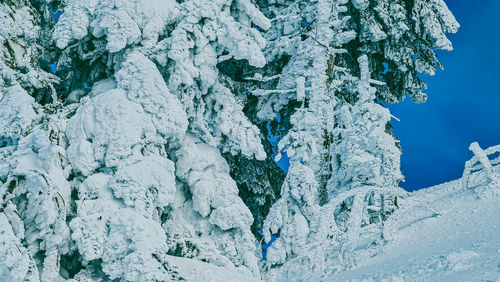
x=193 y=270
x=110 y=128
x=36 y=190
x=460 y=245
x=215 y=207
x=16 y=111
x=123 y=22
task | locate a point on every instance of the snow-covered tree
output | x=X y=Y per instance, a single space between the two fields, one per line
x=153 y=77
x=136 y=77
x=364 y=152
x=35 y=191
x=343 y=58
x=195 y=36
x=148 y=139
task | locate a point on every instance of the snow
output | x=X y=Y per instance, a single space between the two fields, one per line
x=146 y=185
x=104 y=129
x=123 y=22
x=38 y=186
x=144 y=85
x=110 y=128
x=16 y=111
x=360 y=4
x=19 y=47
x=293 y=215
x=193 y=270
x=214 y=198
x=134 y=177
x=103 y=229
x=16 y=263
x=461 y=244
x=254 y=13
x=425 y=12
x=442 y=233
x=241 y=135
x=214 y=192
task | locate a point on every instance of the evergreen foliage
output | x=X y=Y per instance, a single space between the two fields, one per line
x=148 y=139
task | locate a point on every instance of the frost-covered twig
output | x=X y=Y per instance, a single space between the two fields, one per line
x=263 y=92
x=259 y=77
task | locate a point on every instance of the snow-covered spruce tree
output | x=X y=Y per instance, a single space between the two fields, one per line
x=128 y=169
x=153 y=76
x=342 y=58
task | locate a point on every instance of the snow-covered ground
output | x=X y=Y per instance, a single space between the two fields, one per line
x=193 y=270
x=462 y=243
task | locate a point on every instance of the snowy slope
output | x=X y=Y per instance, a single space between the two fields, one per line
x=193 y=270
x=462 y=243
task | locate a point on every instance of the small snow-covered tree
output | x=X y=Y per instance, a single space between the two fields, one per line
x=213 y=224
x=364 y=152
x=291 y=214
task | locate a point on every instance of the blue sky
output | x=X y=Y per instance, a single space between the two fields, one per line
x=463 y=101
